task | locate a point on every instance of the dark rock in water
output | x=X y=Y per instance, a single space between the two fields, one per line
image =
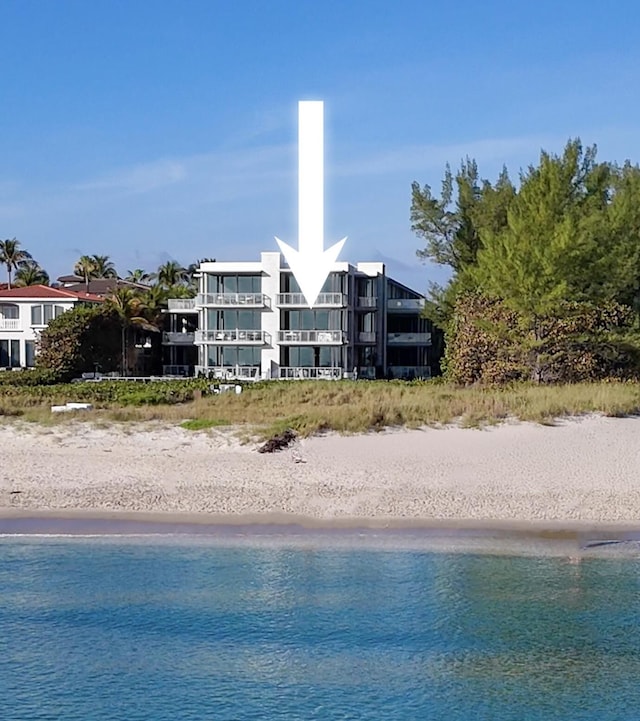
x=278 y=443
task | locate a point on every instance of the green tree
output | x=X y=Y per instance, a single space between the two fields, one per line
x=557 y=247
x=30 y=273
x=139 y=275
x=85 y=268
x=12 y=256
x=171 y=274
x=80 y=340
x=452 y=227
x=128 y=305
x=103 y=267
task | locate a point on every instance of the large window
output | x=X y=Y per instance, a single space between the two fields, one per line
x=335 y=283
x=230 y=319
x=30 y=353
x=43 y=314
x=311 y=320
x=367 y=323
x=9 y=311
x=9 y=353
x=310 y=356
x=234 y=283
x=225 y=356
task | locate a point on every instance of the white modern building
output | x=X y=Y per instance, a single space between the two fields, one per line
x=24 y=312
x=250 y=320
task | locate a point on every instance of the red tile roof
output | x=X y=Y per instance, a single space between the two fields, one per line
x=45 y=291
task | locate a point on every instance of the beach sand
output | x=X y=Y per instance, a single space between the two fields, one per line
x=579 y=471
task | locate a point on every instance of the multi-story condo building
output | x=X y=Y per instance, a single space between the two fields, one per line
x=250 y=320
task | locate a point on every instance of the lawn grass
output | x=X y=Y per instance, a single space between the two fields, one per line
x=310 y=407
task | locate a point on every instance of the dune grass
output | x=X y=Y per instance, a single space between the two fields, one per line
x=310 y=407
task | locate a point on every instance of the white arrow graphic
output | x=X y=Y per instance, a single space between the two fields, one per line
x=311 y=263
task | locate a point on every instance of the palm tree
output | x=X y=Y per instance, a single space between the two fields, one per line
x=30 y=273
x=85 y=267
x=12 y=256
x=103 y=267
x=138 y=276
x=171 y=273
x=192 y=269
x=130 y=308
x=155 y=303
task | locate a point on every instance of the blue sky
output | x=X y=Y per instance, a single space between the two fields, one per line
x=151 y=130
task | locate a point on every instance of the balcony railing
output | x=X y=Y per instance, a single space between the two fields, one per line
x=9 y=324
x=182 y=304
x=305 y=337
x=410 y=372
x=302 y=373
x=409 y=338
x=324 y=300
x=367 y=301
x=225 y=300
x=233 y=337
x=229 y=372
x=177 y=338
x=177 y=370
x=414 y=305
x=366 y=337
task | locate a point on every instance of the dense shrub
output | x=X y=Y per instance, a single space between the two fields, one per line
x=489 y=343
x=78 y=341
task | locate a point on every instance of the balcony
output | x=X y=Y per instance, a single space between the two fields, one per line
x=233 y=337
x=226 y=300
x=229 y=373
x=183 y=305
x=367 y=337
x=311 y=337
x=177 y=370
x=409 y=338
x=177 y=338
x=9 y=324
x=405 y=305
x=324 y=300
x=367 y=301
x=304 y=373
x=408 y=373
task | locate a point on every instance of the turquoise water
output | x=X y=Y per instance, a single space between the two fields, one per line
x=146 y=631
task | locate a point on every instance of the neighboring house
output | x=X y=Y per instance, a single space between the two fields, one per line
x=250 y=320
x=97 y=286
x=24 y=312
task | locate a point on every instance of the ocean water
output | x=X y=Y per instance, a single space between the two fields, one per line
x=169 y=631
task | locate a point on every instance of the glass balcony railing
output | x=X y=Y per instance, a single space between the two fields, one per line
x=177 y=370
x=233 y=336
x=303 y=372
x=366 y=337
x=414 y=305
x=182 y=304
x=409 y=372
x=319 y=337
x=229 y=372
x=367 y=301
x=178 y=338
x=409 y=338
x=225 y=300
x=324 y=300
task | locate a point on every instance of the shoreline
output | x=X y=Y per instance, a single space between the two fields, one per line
x=573 y=542
x=552 y=529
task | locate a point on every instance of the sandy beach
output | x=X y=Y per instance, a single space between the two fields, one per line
x=578 y=471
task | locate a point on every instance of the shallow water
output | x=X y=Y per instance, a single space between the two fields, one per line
x=159 y=631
